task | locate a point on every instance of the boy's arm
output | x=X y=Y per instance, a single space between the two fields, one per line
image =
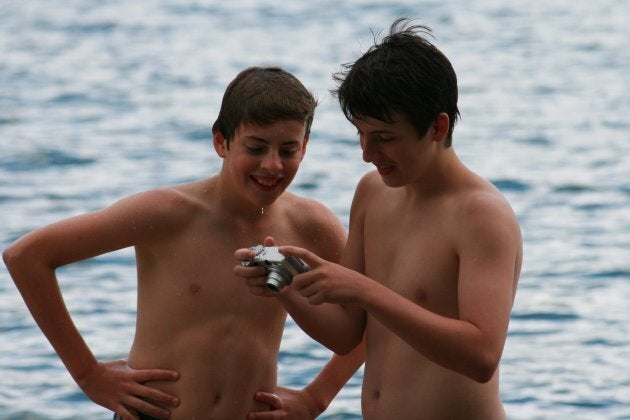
x=338 y=326
x=471 y=343
x=315 y=398
x=334 y=376
x=32 y=261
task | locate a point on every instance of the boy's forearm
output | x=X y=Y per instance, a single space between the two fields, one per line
x=329 y=324
x=39 y=289
x=452 y=343
x=334 y=375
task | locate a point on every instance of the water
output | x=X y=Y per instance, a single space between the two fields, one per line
x=99 y=100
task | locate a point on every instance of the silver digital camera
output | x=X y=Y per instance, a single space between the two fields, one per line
x=280 y=268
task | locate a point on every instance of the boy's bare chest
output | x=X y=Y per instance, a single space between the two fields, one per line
x=414 y=255
x=200 y=258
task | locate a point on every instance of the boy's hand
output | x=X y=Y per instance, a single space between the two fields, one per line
x=286 y=404
x=325 y=282
x=116 y=386
x=255 y=276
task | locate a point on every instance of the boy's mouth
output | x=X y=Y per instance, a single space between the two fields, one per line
x=384 y=169
x=268 y=183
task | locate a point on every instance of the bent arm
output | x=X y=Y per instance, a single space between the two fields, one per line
x=340 y=326
x=32 y=261
x=315 y=398
x=334 y=375
x=472 y=342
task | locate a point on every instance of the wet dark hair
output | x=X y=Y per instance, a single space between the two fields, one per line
x=402 y=74
x=264 y=95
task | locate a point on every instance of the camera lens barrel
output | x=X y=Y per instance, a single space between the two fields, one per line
x=277 y=279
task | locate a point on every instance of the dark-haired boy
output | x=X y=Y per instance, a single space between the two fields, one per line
x=203 y=345
x=434 y=252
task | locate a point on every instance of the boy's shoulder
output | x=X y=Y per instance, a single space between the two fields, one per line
x=371 y=180
x=483 y=197
x=318 y=225
x=164 y=198
x=484 y=209
x=163 y=204
x=306 y=209
x=370 y=187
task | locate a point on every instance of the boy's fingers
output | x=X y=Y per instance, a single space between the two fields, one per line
x=244 y=254
x=268 y=398
x=147 y=408
x=253 y=271
x=306 y=255
x=146 y=375
x=157 y=395
x=269 y=241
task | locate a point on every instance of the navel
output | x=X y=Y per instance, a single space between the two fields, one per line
x=194 y=289
x=421 y=296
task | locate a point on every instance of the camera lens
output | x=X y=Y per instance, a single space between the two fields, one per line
x=277 y=279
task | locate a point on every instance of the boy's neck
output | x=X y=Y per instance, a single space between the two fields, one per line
x=446 y=173
x=237 y=207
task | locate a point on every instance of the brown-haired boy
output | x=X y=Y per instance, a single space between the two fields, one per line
x=203 y=345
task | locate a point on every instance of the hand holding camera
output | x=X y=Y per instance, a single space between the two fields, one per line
x=280 y=268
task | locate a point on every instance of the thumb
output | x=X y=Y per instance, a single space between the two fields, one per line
x=269 y=241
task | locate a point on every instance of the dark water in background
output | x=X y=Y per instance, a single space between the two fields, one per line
x=101 y=99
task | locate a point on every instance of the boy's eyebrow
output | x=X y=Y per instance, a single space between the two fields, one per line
x=378 y=131
x=264 y=140
x=252 y=137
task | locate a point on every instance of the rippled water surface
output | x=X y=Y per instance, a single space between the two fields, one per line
x=102 y=99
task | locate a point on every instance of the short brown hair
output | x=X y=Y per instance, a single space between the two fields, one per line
x=264 y=95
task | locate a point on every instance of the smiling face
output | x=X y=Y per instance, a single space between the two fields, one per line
x=400 y=155
x=262 y=160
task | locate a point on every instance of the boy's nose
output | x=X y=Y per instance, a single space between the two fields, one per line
x=272 y=162
x=368 y=151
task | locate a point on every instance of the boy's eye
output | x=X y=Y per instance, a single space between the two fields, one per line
x=259 y=150
x=381 y=139
x=288 y=152
x=376 y=137
x=255 y=150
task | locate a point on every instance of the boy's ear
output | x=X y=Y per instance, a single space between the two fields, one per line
x=220 y=143
x=440 y=127
x=306 y=137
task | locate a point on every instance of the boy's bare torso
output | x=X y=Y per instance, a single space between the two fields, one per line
x=415 y=256
x=196 y=317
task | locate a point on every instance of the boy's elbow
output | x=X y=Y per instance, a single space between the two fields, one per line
x=484 y=374
x=344 y=346
x=10 y=255
x=342 y=350
x=17 y=257
x=485 y=369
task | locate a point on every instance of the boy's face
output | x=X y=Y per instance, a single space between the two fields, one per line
x=399 y=154
x=262 y=160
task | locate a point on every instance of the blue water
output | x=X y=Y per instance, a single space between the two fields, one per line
x=101 y=99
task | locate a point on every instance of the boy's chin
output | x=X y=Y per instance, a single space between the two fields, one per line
x=266 y=200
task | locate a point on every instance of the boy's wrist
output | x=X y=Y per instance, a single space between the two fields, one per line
x=317 y=402
x=82 y=374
